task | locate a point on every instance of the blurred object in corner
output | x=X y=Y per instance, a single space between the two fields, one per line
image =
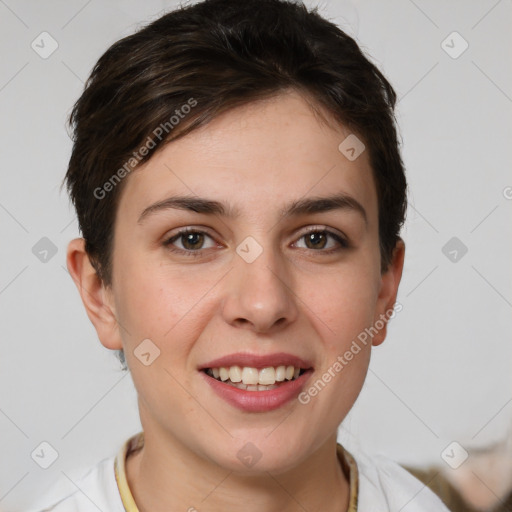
x=483 y=483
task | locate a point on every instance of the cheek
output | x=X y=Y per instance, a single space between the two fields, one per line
x=166 y=305
x=143 y=306
x=341 y=303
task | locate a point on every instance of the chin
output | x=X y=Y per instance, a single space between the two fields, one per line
x=257 y=454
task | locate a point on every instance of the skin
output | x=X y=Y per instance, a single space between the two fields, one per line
x=293 y=298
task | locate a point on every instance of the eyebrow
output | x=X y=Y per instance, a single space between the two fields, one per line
x=296 y=208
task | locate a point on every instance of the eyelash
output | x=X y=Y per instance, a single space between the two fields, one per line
x=198 y=253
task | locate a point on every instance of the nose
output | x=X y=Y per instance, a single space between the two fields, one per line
x=259 y=295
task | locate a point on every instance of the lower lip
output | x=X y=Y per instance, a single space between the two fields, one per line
x=259 y=401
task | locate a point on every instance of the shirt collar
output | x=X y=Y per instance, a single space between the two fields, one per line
x=136 y=442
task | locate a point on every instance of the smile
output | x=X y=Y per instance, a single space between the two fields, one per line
x=255 y=382
x=254 y=379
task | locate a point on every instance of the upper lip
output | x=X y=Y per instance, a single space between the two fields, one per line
x=257 y=361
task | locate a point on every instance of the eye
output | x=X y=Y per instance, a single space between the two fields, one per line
x=189 y=241
x=192 y=242
x=323 y=240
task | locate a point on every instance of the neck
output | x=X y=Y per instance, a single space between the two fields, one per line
x=166 y=476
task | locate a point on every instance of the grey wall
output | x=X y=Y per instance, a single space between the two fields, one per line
x=443 y=374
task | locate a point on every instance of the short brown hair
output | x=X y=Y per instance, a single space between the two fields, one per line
x=213 y=56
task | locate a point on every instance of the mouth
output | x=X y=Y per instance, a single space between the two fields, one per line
x=248 y=378
x=257 y=383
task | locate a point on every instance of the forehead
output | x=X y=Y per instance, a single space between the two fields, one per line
x=256 y=157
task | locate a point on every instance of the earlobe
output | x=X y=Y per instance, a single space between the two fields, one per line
x=95 y=296
x=390 y=280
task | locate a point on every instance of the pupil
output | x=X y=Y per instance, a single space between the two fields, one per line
x=317 y=239
x=193 y=239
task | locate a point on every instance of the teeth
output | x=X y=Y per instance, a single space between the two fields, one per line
x=280 y=373
x=267 y=376
x=253 y=379
x=235 y=374
x=250 y=375
x=252 y=387
x=259 y=387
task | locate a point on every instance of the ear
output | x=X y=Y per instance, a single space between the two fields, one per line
x=390 y=280
x=97 y=298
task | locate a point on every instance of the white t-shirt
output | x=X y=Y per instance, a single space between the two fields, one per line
x=377 y=484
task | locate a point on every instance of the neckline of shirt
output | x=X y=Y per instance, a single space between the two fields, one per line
x=136 y=442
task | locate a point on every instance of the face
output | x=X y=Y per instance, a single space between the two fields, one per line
x=264 y=276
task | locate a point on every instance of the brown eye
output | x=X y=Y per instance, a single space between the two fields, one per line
x=316 y=240
x=189 y=242
x=323 y=241
x=192 y=241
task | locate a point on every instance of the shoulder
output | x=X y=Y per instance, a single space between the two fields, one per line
x=436 y=480
x=96 y=490
x=384 y=485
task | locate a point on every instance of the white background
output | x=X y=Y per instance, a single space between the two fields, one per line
x=443 y=374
